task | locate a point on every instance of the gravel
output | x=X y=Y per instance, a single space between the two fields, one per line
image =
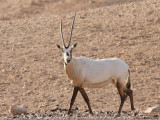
x=59 y=113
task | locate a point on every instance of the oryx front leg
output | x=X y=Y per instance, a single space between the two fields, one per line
x=86 y=99
x=75 y=91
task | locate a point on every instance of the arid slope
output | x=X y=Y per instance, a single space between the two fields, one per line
x=31 y=67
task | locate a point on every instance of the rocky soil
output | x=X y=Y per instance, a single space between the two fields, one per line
x=98 y=115
x=31 y=67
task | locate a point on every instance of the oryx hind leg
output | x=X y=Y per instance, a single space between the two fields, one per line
x=123 y=97
x=129 y=92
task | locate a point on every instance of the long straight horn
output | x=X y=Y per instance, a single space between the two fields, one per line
x=62 y=33
x=71 y=30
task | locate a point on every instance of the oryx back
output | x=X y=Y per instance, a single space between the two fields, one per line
x=98 y=73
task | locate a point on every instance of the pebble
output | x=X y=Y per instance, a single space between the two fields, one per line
x=60 y=113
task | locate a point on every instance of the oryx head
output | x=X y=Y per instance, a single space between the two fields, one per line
x=67 y=50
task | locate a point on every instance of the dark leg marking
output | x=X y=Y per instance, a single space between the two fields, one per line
x=129 y=92
x=121 y=105
x=75 y=91
x=82 y=91
x=122 y=96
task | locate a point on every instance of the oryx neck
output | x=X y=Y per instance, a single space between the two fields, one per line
x=70 y=63
x=69 y=68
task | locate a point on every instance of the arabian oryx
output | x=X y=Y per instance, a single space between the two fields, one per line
x=85 y=72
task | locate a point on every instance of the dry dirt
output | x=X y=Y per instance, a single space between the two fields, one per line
x=31 y=67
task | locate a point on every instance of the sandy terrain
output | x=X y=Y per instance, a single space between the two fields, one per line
x=13 y=9
x=31 y=67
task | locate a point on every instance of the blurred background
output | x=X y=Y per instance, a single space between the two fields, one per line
x=13 y=9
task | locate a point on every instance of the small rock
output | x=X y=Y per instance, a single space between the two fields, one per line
x=78 y=115
x=61 y=95
x=31 y=116
x=16 y=110
x=153 y=110
x=50 y=115
x=124 y=112
x=116 y=115
x=156 y=109
x=145 y=117
x=54 y=109
x=156 y=116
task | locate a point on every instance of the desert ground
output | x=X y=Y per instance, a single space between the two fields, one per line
x=31 y=67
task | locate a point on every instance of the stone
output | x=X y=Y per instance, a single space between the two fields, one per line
x=155 y=109
x=17 y=110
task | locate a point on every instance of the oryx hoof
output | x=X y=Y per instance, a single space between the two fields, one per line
x=135 y=112
x=91 y=113
x=69 y=112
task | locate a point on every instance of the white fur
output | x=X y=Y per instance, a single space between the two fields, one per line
x=85 y=72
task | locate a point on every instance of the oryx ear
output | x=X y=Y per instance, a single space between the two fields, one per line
x=73 y=46
x=59 y=47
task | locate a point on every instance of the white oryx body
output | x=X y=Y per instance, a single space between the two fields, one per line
x=85 y=72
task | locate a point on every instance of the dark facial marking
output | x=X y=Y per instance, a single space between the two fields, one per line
x=68 y=61
x=67 y=54
x=65 y=63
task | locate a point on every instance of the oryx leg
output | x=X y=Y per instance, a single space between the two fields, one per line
x=123 y=96
x=75 y=91
x=86 y=99
x=129 y=92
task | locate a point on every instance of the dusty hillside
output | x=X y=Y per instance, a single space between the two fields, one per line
x=13 y=9
x=31 y=67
